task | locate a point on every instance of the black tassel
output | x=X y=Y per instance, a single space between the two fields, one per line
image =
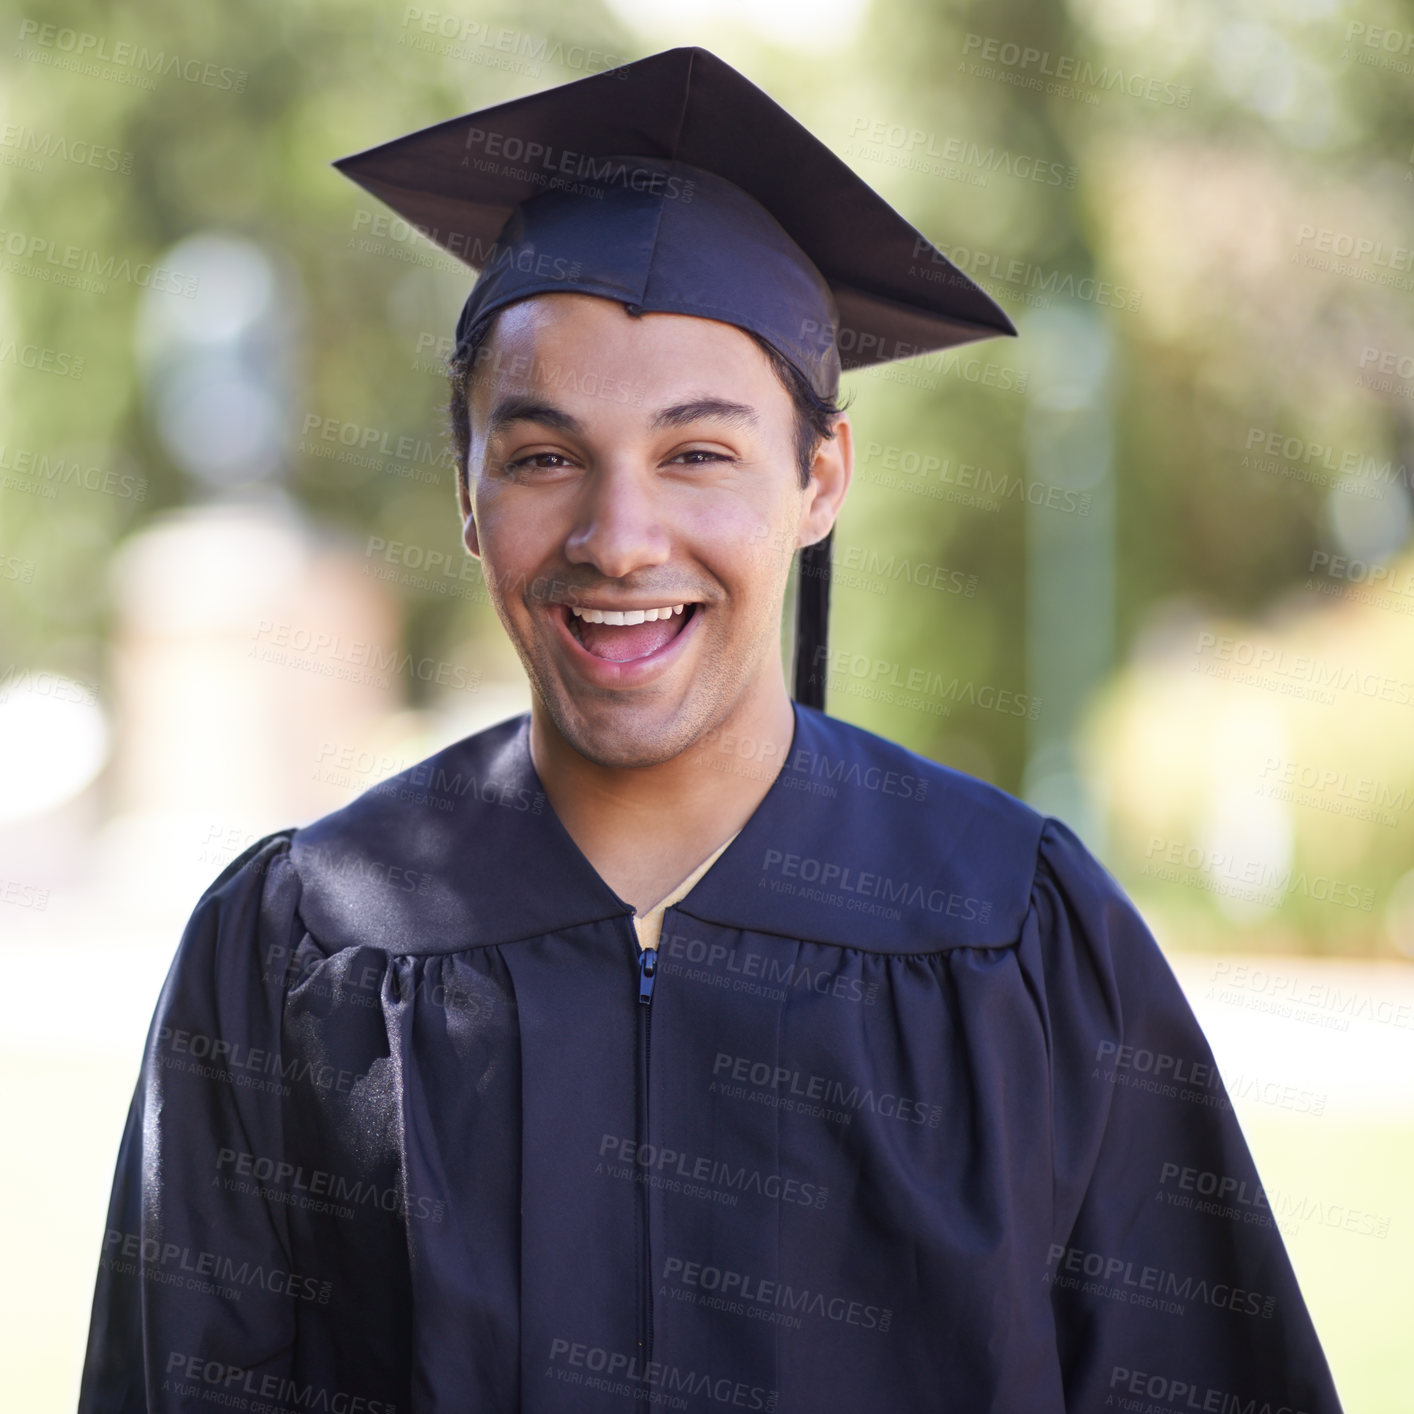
x=812 y=623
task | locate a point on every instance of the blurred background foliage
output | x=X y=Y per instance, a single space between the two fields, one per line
x=1204 y=151
x=1177 y=506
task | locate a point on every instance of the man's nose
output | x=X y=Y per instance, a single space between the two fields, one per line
x=619 y=525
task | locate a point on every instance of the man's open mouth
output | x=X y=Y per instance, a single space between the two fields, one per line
x=621 y=635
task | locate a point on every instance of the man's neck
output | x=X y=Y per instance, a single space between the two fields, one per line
x=645 y=828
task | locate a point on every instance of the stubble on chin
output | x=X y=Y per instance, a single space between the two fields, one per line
x=620 y=735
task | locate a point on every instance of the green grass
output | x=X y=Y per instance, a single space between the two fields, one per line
x=1359 y=1289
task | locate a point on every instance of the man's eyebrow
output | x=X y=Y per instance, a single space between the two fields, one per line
x=706 y=409
x=520 y=408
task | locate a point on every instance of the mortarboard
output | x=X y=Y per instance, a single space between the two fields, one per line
x=674 y=184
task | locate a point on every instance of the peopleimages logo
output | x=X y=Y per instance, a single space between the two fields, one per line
x=742 y=1291
x=82 y=51
x=196 y=1269
x=846 y=879
x=225 y=1385
x=619 y=1372
x=1138 y=1284
x=663 y=1162
x=542 y=163
x=318 y=1189
x=749 y=1073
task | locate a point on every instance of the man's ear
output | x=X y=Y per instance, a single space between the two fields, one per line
x=470 y=539
x=830 y=474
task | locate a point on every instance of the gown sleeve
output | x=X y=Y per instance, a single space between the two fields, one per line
x=195 y=1280
x=1169 y=1281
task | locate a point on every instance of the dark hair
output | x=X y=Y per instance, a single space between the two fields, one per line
x=814 y=415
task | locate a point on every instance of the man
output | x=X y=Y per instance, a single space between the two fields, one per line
x=675 y=1043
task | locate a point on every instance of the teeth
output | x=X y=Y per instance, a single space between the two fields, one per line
x=625 y=616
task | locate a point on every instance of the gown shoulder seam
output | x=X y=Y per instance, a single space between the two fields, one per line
x=246 y=855
x=1047 y=821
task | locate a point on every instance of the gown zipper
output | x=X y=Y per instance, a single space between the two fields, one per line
x=647 y=973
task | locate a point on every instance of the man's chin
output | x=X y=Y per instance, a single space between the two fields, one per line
x=622 y=730
x=624 y=740
x=641 y=727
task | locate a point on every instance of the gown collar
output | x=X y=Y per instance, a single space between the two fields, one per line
x=857 y=842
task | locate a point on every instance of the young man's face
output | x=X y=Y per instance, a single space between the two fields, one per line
x=626 y=464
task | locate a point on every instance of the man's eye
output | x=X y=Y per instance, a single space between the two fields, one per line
x=538 y=461
x=699 y=456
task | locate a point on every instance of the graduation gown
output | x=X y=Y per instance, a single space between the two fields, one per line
x=907 y=1112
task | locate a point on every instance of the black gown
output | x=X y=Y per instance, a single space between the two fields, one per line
x=907 y=1113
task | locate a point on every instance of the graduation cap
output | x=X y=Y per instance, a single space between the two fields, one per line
x=674 y=184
